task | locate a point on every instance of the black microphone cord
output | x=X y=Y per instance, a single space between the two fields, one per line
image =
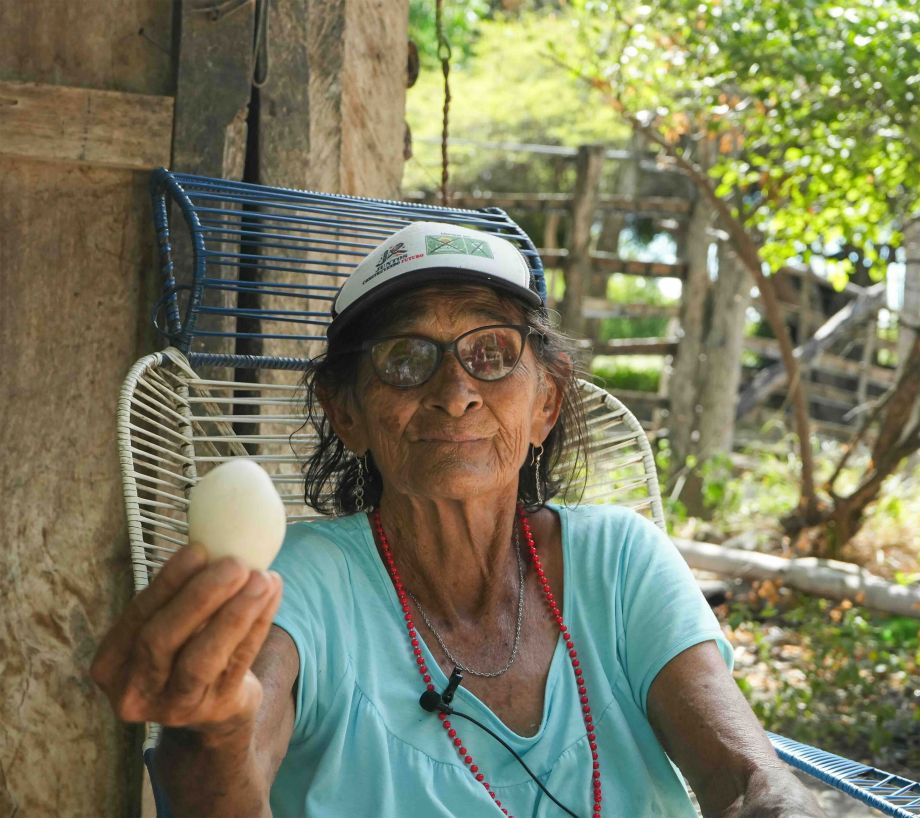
x=431 y=700
x=500 y=740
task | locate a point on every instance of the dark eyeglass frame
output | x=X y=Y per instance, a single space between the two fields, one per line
x=443 y=347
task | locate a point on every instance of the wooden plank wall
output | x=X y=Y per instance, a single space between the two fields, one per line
x=86 y=109
x=81 y=82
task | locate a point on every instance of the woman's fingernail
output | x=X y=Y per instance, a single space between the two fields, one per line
x=257 y=584
x=227 y=569
x=197 y=555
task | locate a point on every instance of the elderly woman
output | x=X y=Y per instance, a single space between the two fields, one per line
x=445 y=596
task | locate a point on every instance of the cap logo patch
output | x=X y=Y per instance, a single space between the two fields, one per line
x=450 y=243
x=398 y=249
x=477 y=247
x=392 y=256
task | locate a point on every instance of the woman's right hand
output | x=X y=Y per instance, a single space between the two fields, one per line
x=180 y=655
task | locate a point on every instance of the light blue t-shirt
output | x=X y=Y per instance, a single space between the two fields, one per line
x=362 y=745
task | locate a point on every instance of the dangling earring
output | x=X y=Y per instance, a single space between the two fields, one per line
x=358 y=490
x=535 y=462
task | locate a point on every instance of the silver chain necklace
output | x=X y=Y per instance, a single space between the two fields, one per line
x=517 y=628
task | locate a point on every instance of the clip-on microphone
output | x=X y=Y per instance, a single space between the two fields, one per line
x=431 y=700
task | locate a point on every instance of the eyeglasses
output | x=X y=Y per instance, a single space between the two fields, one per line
x=487 y=353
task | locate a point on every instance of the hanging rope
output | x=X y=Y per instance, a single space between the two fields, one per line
x=444 y=57
x=260 y=46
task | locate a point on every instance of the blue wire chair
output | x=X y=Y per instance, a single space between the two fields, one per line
x=248 y=287
x=283 y=254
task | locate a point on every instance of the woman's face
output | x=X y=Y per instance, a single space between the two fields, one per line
x=453 y=437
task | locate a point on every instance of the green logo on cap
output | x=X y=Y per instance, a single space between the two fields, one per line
x=477 y=247
x=450 y=243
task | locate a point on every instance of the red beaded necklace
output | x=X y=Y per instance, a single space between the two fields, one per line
x=570 y=646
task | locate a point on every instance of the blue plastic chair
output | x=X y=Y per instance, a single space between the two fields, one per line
x=252 y=296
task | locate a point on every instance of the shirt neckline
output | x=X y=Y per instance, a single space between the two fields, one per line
x=439 y=679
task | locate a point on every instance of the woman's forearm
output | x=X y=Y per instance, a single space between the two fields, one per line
x=203 y=776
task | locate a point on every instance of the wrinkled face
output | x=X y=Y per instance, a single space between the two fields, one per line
x=453 y=437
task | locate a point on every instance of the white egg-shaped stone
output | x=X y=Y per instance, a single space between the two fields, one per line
x=235 y=511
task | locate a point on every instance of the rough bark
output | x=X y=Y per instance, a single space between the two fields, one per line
x=684 y=377
x=731 y=295
x=714 y=386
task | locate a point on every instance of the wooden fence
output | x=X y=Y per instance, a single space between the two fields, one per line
x=852 y=366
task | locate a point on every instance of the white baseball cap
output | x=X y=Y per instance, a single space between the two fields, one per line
x=427 y=253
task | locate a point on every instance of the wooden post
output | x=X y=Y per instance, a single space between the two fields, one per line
x=589 y=164
x=322 y=123
x=213 y=88
x=284 y=100
x=626 y=184
x=357 y=99
x=209 y=135
x=551 y=243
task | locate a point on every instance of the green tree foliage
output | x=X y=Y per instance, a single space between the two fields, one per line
x=461 y=28
x=813 y=106
x=508 y=91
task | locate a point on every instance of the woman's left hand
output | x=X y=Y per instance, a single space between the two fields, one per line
x=774 y=793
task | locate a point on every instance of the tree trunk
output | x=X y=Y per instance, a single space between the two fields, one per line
x=684 y=378
x=910 y=310
x=707 y=370
x=721 y=370
x=590 y=163
x=909 y=322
